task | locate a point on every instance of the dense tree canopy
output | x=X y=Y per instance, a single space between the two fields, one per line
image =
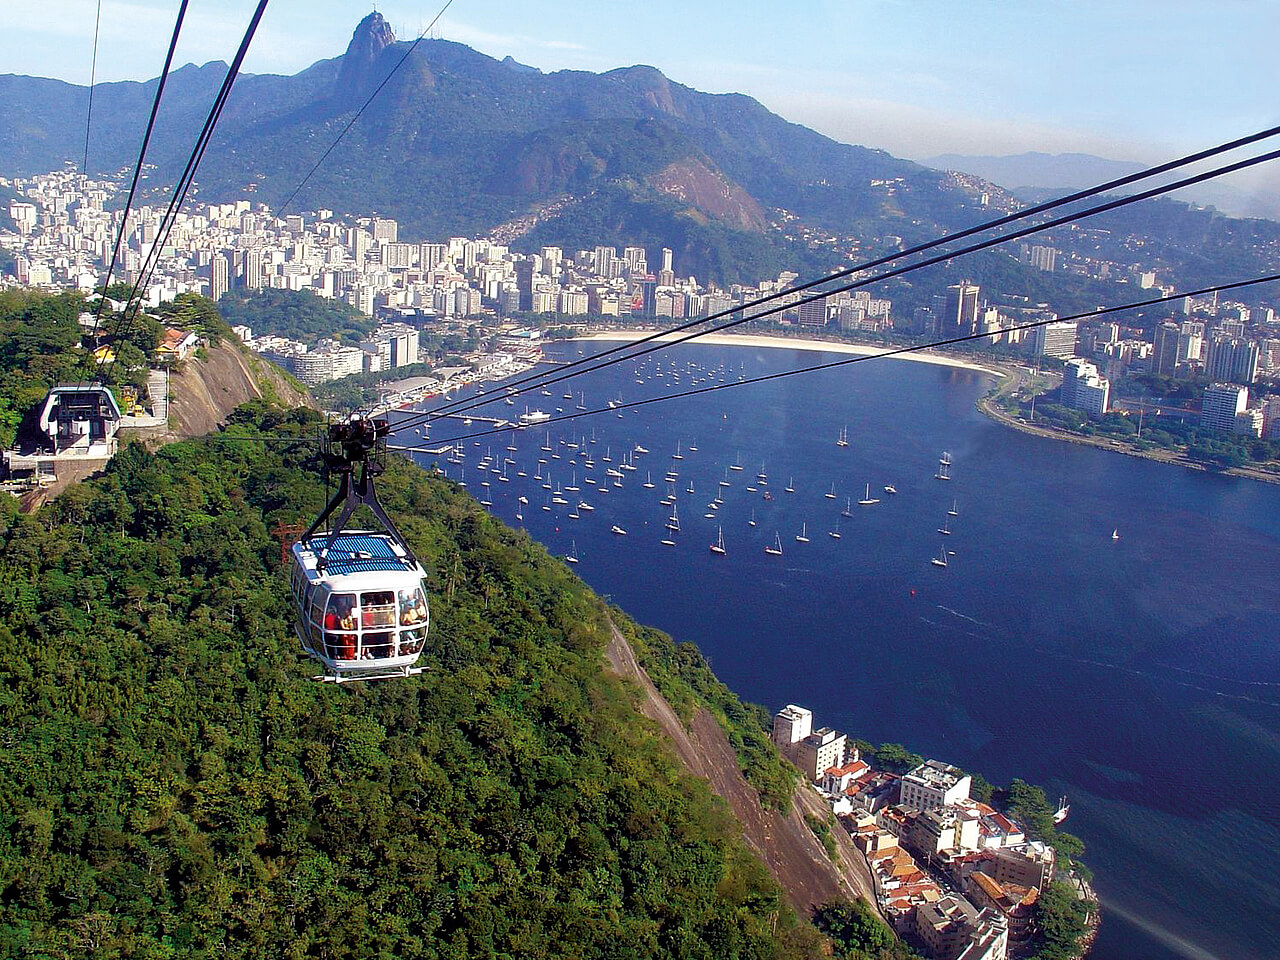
x=297 y=314
x=173 y=784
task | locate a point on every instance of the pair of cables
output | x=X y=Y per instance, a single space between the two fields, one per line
x=133 y=305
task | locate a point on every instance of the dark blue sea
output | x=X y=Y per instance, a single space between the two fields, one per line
x=1138 y=676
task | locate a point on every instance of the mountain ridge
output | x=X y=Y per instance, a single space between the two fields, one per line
x=460 y=142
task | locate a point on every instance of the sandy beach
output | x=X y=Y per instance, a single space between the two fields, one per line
x=789 y=343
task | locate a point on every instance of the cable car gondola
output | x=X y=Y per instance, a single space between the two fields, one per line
x=360 y=595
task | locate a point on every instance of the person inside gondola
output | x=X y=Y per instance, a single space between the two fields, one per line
x=412 y=608
x=342 y=616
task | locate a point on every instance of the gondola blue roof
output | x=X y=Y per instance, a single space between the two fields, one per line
x=359 y=553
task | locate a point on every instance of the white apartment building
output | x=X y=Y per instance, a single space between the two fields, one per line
x=934 y=784
x=791 y=724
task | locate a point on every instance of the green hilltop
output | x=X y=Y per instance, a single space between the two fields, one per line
x=172 y=783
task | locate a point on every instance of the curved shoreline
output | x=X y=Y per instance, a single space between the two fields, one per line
x=984 y=403
x=798 y=343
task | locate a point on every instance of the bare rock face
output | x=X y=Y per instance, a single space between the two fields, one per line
x=709 y=191
x=372 y=35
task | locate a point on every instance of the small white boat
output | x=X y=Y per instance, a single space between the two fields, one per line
x=890 y=489
x=1064 y=808
x=618 y=530
x=752 y=521
x=583 y=505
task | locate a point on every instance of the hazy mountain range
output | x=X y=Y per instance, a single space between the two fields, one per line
x=1036 y=175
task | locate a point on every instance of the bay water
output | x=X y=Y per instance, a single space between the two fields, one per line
x=1138 y=676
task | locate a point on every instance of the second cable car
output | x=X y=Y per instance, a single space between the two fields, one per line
x=360 y=595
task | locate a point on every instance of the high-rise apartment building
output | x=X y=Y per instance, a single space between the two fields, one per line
x=219 y=273
x=960 y=314
x=1057 y=339
x=1233 y=359
x=1221 y=405
x=1164 y=353
x=1084 y=389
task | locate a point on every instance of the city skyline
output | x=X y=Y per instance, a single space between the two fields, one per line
x=914 y=79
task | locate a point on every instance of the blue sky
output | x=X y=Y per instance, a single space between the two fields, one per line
x=1128 y=79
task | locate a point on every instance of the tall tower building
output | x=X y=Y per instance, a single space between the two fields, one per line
x=1164 y=354
x=219 y=271
x=252 y=276
x=960 y=315
x=666 y=258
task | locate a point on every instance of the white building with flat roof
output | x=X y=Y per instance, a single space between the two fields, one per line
x=791 y=724
x=820 y=751
x=934 y=784
x=1221 y=404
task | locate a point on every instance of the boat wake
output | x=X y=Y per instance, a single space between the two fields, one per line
x=963 y=616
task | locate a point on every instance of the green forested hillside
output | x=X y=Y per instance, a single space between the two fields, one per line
x=173 y=784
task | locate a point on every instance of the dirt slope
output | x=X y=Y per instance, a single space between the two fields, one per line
x=784 y=843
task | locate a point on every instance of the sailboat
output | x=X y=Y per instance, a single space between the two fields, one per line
x=941 y=559
x=945 y=529
x=752 y=521
x=677 y=455
x=737 y=464
x=831 y=494
x=834 y=534
x=944 y=466
x=848 y=507
x=843 y=440
x=608 y=455
x=790 y=487
x=1064 y=808
x=618 y=530
x=1115 y=534
x=867 y=500
x=776 y=549
x=648 y=481
x=673 y=521
x=718 y=546
x=725 y=481
x=572 y=555
x=953 y=512
x=803 y=535
x=690 y=490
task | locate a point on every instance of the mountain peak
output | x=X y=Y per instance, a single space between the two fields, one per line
x=372 y=35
